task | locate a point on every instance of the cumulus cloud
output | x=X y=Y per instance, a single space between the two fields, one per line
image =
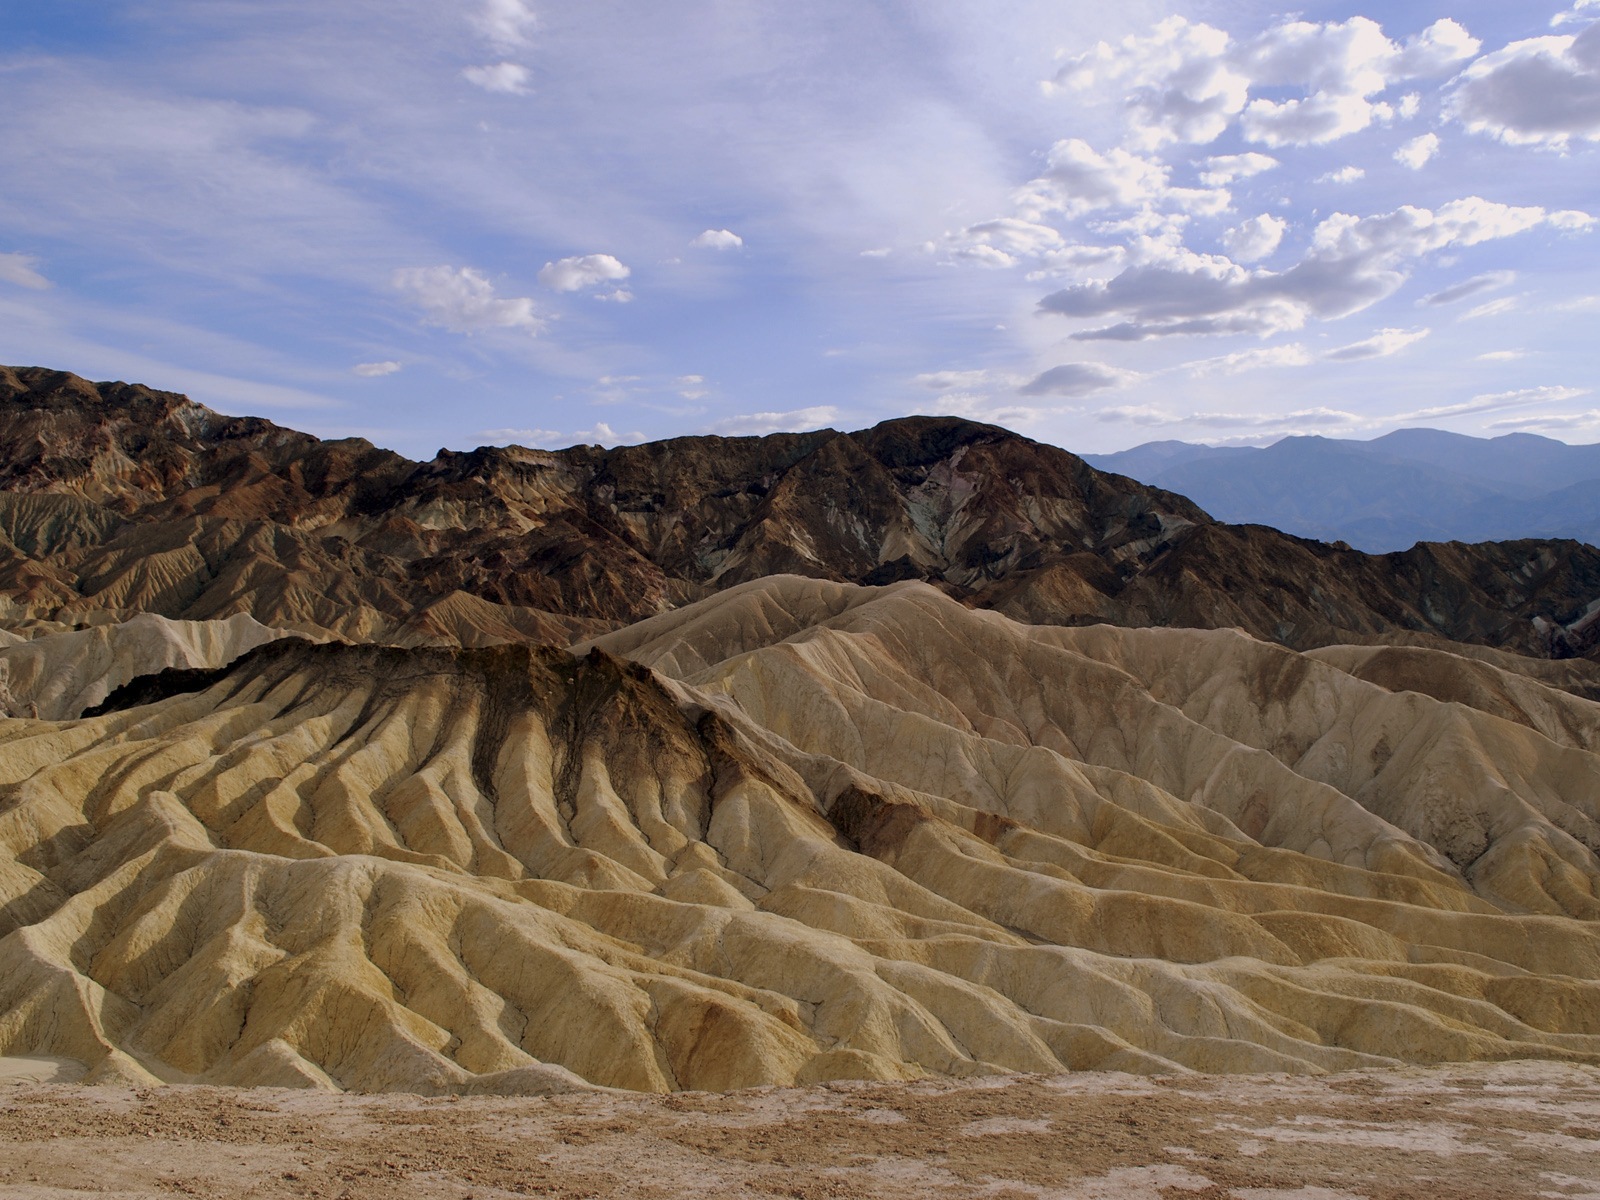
x=602 y=435
x=504 y=22
x=1186 y=82
x=508 y=78
x=374 y=370
x=519 y=437
x=1179 y=83
x=1004 y=242
x=1255 y=239
x=1583 y=10
x=464 y=301
x=1353 y=263
x=1380 y=345
x=1079 y=179
x=1541 y=91
x=759 y=423
x=1224 y=169
x=1077 y=379
x=22 y=270
x=1342 y=66
x=582 y=271
x=1418 y=151
x=717 y=239
x=1487 y=282
x=1343 y=175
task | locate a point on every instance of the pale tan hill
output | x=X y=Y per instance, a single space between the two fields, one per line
x=59 y=675
x=812 y=831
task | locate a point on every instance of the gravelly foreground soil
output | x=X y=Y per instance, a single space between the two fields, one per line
x=1519 y=1129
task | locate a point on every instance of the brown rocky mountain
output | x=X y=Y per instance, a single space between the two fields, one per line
x=116 y=499
x=713 y=763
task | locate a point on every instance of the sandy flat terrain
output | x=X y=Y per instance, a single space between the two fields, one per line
x=1519 y=1129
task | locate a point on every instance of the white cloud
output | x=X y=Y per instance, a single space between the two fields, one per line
x=1353 y=263
x=506 y=77
x=582 y=271
x=1493 y=308
x=1004 y=242
x=760 y=423
x=1541 y=91
x=374 y=370
x=616 y=296
x=1486 y=282
x=1495 y=402
x=521 y=437
x=1179 y=84
x=1186 y=82
x=1502 y=356
x=22 y=270
x=505 y=22
x=1578 y=12
x=1223 y=169
x=1292 y=355
x=1343 y=175
x=1255 y=239
x=1418 y=151
x=1410 y=105
x=1151 y=416
x=718 y=239
x=1078 y=379
x=1381 y=345
x=979 y=406
x=966 y=381
x=464 y=301
x=602 y=434
x=1342 y=66
x=1079 y=179
x=1551 y=422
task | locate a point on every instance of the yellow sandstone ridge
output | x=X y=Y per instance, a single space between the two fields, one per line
x=799 y=831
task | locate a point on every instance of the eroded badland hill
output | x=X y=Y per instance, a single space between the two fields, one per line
x=925 y=751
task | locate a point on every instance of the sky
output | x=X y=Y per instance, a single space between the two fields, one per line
x=447 y=223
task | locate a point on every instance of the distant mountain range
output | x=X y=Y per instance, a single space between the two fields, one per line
x=1389 y=493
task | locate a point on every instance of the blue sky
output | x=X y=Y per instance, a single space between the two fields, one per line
x=448 y=223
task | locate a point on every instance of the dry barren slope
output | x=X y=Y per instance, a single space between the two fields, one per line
x=797 y=831
x=117 y=499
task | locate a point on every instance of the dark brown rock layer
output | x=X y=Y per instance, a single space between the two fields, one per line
x=118 y=498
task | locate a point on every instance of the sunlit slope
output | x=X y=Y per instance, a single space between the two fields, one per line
x=810 y=831
x=60 y=674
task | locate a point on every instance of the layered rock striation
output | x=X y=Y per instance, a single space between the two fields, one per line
x=804 y=830
x=116 y=499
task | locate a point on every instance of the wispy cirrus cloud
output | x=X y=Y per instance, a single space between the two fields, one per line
x=23 y=271
x=1380 y=345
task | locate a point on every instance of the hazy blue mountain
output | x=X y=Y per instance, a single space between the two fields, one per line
x=1389 y=493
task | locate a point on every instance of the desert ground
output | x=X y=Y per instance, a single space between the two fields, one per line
x=1478 y=1131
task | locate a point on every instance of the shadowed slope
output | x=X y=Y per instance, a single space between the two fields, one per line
x=811 y=831
x=115 y=498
